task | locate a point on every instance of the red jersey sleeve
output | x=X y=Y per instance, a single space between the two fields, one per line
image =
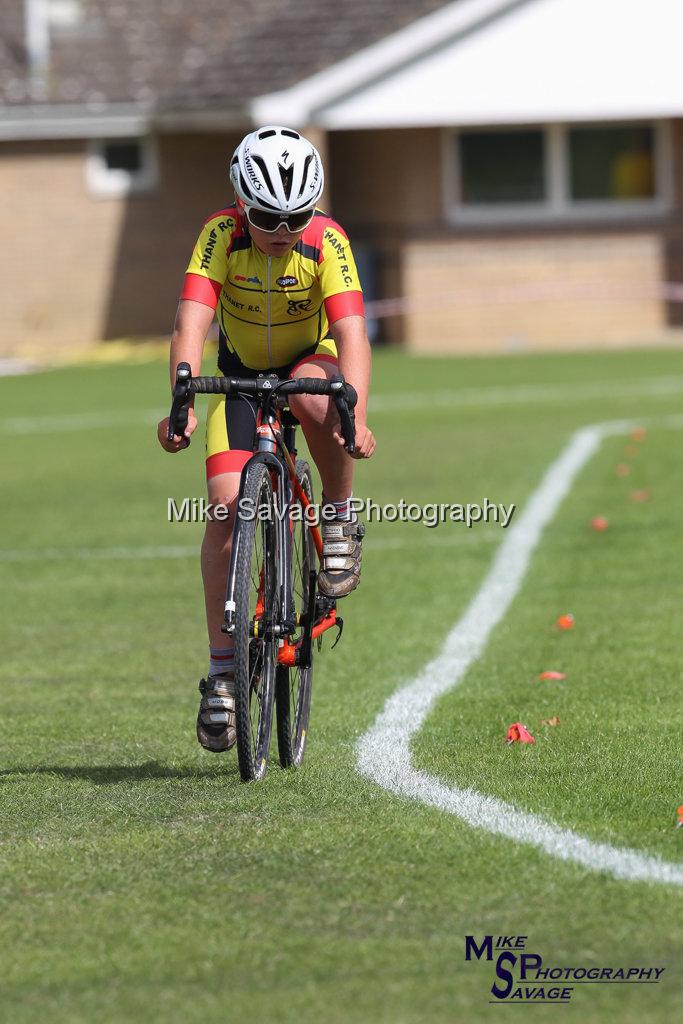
x=341 y=290
x=208 y=266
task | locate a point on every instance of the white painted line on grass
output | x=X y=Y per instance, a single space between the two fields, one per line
x=62 y=423
x=466 y=398
x=98 y=554
x=384 y=751
x=458 y=535
x=523 y=394
x=447 y=536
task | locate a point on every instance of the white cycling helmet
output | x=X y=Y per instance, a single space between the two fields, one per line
x=277 y=170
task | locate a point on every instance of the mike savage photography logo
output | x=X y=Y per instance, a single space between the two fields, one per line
x=520 y=976
x=430 y=515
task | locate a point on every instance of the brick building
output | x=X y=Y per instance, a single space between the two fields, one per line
x=511 y=171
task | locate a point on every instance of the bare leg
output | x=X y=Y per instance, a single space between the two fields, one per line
x=317 y=416
x=216 y=549
x=341 y=559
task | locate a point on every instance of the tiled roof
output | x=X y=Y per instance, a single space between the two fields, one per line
x=180 y=55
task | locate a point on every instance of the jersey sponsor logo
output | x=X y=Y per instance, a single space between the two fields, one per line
x=340 y=249
x=208 y=249
x=287 y=282
x=251 y=280
x=226 y=225
x=296 y=306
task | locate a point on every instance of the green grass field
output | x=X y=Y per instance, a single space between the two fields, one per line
x=141 y=881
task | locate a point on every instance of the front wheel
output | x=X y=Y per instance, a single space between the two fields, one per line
x=255 y=615
x=293 y=684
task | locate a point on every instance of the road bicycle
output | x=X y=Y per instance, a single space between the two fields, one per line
x=273 y=610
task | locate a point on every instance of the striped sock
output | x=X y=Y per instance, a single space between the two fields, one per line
x=342 y=508
x=221 y=659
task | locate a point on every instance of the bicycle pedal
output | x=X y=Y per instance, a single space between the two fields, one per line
x=323 y=606
x=339 y=623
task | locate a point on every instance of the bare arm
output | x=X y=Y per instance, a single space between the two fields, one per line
x=192 y=323
x=353 y=348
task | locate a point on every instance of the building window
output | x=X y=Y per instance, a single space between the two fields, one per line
x=119 y=167
x=612 y=163
x=502 y=167
x=125 y=155
x=557 y=172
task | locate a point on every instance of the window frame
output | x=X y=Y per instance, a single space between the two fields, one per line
x=558 y=205
x=107 y=182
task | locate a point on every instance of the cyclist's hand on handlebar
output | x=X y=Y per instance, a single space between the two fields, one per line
x=178 y=442
x=365 y=441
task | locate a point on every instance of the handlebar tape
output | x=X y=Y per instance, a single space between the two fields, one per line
x=302 y=385
x=343 y=395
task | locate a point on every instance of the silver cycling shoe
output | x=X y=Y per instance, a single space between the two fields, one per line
x=341 y=559
x=216 y=717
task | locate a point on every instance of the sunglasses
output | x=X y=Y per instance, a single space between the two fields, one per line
x=270 y=222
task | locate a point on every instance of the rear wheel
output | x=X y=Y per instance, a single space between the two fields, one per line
x=293 y=684
x=255 y=614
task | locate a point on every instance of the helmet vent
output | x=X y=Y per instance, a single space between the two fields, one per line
x=290 y=134
x=267 y=134
x=245 y=187
x=286 y=174
x=304 y=176
x=261 y=164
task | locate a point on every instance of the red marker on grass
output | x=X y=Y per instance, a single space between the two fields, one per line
x=518 y=733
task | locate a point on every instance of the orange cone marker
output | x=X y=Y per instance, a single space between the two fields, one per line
x=599 y=524
x=565 y=621
x=679 y=812
x=518 y=733
x=623 y=469
x=640 y=496
x=552 y=675
x=638 y=434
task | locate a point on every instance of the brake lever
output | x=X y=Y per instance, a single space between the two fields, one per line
x=182 y=392
x=347 y=422
x=345 y=398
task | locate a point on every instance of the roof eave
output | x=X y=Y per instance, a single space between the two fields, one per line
x=113 y=120
x=307 y=98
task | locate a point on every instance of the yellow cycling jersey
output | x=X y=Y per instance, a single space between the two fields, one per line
x=272 y=309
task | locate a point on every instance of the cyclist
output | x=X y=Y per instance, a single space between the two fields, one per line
x=280 y=277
